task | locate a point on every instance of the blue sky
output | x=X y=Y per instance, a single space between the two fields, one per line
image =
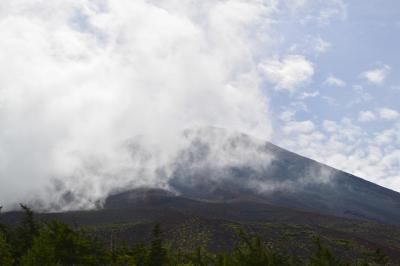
x=80 y=78
x=355 y=82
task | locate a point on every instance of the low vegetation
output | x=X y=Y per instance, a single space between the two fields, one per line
x=40 y=243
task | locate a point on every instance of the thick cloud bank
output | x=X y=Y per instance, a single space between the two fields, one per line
x=83 y=80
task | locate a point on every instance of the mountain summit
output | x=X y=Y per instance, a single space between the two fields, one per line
x=226 y=166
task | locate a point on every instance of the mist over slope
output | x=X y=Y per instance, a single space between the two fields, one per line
x=280 y=177
x=222 y=165
x=84 y=76
x=220 y=179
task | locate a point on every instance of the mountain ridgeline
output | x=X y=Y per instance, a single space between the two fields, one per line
x=219 y=165
x=223 y=180
x=223 y=166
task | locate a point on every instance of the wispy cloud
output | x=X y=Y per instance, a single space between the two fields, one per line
x=288 y=73
x=376 y=76
x=388 y=114
x=338 y=9
x=331 y=80
x=320 y=45
x=361 y=96
x=306 y=95
x=311 y=45
x=366 y=116
x=345 y=145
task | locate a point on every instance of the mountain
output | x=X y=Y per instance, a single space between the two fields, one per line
x=268 y=173
x=221 y=180
x=128 y=218
x=219 y=165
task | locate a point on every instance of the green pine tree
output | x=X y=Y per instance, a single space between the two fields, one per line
x=140 y=253
x=58 y=244
x=157 y=256
x=251 y=251
x=5 y=254
x=322 y=256
x=23 y=236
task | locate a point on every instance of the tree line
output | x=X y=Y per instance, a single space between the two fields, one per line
x=54 y=243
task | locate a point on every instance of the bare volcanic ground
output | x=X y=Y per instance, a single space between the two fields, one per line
x=129 y=217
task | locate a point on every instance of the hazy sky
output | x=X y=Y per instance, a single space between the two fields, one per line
x=78 y=78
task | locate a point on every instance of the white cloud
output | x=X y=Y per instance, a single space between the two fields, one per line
x=337 y=9
x=287 y=116
x=320 y=45
x=321 y=13
x=83 y=77
x=371 y=155
x=388 y=114
x=383 y=113
x=366 y=116
x=331 y=80
x=317 y=45
x=376 y=76
x=361 y=96
x=288 y=73
x=306 y=95
x=387 y=137
x=330 y=126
